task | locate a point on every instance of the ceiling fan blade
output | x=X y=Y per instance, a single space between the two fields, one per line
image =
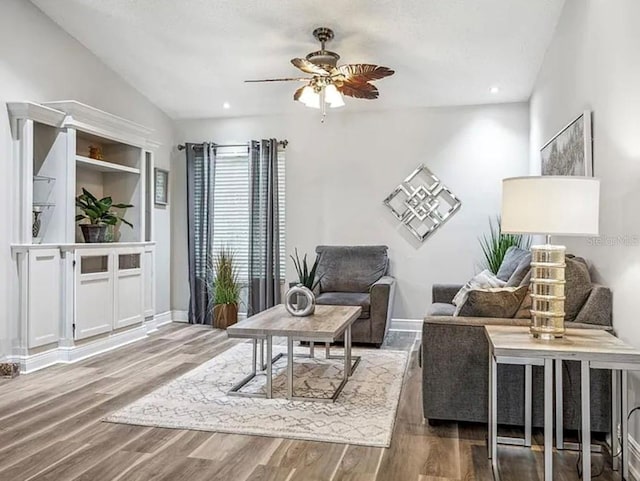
x=359 y=90
x=364 y=72
x=298 y=93
x=308 y=67
x=290 y=79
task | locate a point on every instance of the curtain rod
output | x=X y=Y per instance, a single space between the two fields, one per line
x=283 y=143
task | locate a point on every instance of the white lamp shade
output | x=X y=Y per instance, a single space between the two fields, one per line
x=551 y=205
x=333 y=97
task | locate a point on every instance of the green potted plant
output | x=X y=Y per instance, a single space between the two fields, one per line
x=100 y=215
x=306 y=278
x=494 y=246
x=226 y=289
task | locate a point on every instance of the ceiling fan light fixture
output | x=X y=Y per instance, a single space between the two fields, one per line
x=333 y=97
x=310 y=98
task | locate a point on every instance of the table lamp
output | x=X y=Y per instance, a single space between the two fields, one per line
x=549 y=205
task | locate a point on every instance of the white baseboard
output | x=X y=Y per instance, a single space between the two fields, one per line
x=407 y=325
x=70 y=354
x=634 y=459
x=180 y=316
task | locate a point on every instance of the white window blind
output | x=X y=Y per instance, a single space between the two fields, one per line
x=231 y=207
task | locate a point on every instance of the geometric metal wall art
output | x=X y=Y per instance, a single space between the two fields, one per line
x=422 y=203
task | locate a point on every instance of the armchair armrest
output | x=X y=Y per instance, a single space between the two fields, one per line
x=444 y=293
x=382 y=293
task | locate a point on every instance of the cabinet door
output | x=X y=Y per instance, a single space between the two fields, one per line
x=129 y=289
x=44 y=294
x=149 y=287
x=94 y=292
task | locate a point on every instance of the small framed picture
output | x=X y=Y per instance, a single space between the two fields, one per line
x=161 y=186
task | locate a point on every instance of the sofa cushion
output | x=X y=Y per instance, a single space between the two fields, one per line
x=484 y=279
x=351 y=268
x=510 y=262
x=500 y=302
x=347 y=299
x=577 y=288
x=441 y=309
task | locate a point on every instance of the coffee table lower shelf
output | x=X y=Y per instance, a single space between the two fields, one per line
x=266 y=368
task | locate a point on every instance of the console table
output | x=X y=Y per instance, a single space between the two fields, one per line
x=594 y=349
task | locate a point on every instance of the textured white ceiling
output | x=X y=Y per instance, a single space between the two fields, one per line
x=190 y=56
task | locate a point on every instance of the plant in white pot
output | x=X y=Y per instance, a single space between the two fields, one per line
x=100 y=215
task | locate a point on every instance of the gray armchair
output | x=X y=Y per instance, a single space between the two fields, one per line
x=357 y=276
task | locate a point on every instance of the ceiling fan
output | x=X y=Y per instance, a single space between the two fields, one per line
x=328 y=81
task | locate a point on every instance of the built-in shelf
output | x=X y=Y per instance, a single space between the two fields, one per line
x=42 y=178
x=44 y=205
x=102 y=166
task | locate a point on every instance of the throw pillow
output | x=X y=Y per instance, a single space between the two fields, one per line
x=520 y=273
x=524 y=311
x=577 y=288
x=485 y=279
x=500 y=302
x=510 y=262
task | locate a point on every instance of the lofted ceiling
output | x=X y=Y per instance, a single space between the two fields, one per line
x=191 y=56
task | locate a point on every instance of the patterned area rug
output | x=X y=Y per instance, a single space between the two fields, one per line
x=364 y=413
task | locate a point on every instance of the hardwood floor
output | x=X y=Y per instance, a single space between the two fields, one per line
x=51 y=429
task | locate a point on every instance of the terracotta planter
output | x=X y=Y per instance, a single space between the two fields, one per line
x=93 y=233
x=225 y=315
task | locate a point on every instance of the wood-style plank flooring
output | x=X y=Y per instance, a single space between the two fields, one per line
x=51 y=429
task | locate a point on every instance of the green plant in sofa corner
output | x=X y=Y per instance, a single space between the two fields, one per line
x=306 y=276
x=99 y=211
x=495 y=244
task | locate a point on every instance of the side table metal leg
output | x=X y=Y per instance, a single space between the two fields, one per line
x=624 y=424
x=289 y=368
x=263 y=366
x=548 y=420
x=615 y=419
x=493 y=412
x=585 y=396
x=528 y=370
x=269 y=367
x=254 y=355
x=559 y=406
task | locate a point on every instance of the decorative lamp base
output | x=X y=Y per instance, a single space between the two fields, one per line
x=547 y=291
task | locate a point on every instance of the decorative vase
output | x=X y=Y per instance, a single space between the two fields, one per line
x=305 y=301
x=37 y=223
x=225 y=315
x=93 y=233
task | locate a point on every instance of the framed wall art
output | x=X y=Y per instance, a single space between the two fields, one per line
x=161 y=186
x=570 y=151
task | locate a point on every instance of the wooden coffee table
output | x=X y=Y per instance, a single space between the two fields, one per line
x=324 y=326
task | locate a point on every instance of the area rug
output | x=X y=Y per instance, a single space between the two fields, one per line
x=363 y=414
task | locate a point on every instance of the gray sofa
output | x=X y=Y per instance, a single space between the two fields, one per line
x=357 y=276
x=455 y=367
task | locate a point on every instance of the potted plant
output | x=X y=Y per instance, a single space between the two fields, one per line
x=100 y=215
x=495 y=245
x=226 y=289
x=306 y=276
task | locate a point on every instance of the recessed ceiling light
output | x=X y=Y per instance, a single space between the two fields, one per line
x=494 y=90
x=226 y=105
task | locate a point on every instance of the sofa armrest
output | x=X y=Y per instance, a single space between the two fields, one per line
x=444 y=293
x=382 y=293
x=597 y=308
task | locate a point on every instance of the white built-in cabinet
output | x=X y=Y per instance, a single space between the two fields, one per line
x=74 y=298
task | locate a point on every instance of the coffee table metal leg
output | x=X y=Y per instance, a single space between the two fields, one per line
x=269 y=367
x=289 y=368
x=347 y=352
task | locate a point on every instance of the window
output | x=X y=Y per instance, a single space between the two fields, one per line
x=231 y=208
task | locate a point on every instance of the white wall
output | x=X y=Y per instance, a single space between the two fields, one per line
x=593 y=63
x=40 y=62
x=339 y=172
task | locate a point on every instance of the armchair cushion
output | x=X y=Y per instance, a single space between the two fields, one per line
x=351 y=268
x=347 y=299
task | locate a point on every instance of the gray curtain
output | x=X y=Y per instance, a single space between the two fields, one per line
x=264 y=235
x=200 y=184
